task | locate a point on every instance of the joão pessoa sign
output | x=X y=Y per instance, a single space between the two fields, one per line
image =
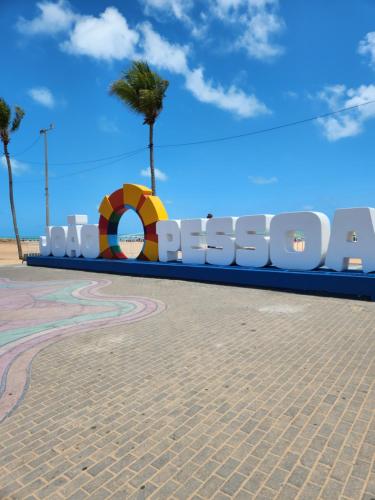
x=249 y=240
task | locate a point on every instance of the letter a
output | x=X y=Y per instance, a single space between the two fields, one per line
x=348 y=222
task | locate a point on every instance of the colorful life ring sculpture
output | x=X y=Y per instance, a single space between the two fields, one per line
x=150 y=210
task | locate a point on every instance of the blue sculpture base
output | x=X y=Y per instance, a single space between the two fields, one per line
x=353 y=284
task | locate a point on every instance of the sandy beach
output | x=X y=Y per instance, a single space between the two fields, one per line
x=9 y=255
x=8 y=250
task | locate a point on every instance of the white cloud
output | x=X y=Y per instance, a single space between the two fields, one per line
x=367 y=47
x=254 y=23
x=232 y=10
x=18 y=167
x=180 y=10
x=159 y=175
x=256 y=39
x=176 y=8
x=361 y=95
x=233 y=99
x=159 y=52
x=258 y=179
x=53 y=18
x=349 y=123
x=226 y=8
x=340 y=127
x=107 y=125
x=333 y=95
x=291 y=94
x=106 y=37
x=257 y=20
x=43 y=96
x=173 y=57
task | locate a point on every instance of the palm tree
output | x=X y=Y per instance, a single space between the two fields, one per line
x=7 y=127
x=143 y=91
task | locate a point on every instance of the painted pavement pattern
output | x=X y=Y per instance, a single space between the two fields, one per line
x=230 y=393
x=35 y=314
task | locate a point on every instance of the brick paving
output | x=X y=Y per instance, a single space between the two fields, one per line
x=228 y=393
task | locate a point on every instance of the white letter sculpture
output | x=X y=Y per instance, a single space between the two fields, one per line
x=316 y=229
x=73 y=241
x=220 y=240
x=193 y=241
x=90 y=241
x=346 y=223
x=169 y=239
x=58 y=240
x=45 y=243
x=253 y=240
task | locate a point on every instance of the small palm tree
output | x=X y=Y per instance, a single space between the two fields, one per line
x=143 y=91
x=7 y=127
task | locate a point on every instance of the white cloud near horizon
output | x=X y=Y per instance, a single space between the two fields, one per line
x=350 y=123
x=366 y=47
x=43 y=96
x=262 y=181
x=108 y=37
x=54 y=17
x=159 y=175
x=18 y=167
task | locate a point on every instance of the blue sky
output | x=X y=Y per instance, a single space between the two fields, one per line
x=234 y=66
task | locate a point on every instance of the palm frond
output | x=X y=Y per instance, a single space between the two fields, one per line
x=142 y=90
x=151 y=104
x=4 y=115
x=127 y=94
x=18 y=116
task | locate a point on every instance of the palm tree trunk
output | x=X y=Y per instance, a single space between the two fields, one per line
x=11 y=199
x=152 y=168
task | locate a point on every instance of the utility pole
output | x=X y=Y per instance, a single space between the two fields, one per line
x=44 y=131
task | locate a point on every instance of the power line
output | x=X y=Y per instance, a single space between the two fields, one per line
x=264 y=130
x=125 y=156
x=26 y=149
x=82 y=162
x=129 y=155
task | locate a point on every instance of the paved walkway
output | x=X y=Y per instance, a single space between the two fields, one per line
x=210 y=392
